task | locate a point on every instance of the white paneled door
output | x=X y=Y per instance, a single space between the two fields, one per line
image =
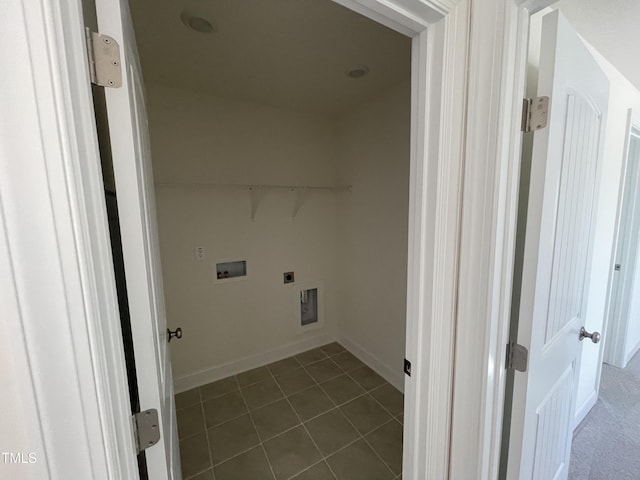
x=129 y=136
x=557 y=254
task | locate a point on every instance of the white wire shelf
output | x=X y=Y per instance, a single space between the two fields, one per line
x=256 y=191
x=248 y=186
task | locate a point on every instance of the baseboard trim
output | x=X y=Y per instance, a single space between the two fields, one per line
x=394 y=376
x=203 y=377
x=631 y=354
x=584 y=409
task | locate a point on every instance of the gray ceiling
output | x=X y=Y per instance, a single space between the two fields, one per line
x=288 y=53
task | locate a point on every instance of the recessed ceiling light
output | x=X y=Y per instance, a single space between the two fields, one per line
x=197 y=22
x=357 y=72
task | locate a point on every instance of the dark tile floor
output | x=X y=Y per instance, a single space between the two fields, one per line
x=322 y=414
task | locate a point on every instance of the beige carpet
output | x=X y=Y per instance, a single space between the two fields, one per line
x=606 y=445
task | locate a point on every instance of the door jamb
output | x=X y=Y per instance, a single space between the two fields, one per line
x=614 y=352
x=54 y=202
x=498 y=54
x=439 y=29
x=438 y=99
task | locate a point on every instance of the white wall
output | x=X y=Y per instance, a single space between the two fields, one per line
x=374 y=148
x=239 y=324
x=355 y=242
x=622 y=97
x=632 y=337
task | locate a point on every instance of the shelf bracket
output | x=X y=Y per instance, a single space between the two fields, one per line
x=255 y=195
x=300 y=198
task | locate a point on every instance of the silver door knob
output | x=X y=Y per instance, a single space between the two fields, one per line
x=595 y=336
x=177 y=333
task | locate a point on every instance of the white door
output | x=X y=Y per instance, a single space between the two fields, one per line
x=557 y=253
x=129 y=136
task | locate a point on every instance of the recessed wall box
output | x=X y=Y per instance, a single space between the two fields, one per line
x=309 y=306
x=225 y=270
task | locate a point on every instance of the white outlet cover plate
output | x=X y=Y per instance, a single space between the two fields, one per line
x=200 y=253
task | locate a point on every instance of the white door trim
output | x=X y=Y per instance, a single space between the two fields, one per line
x=497 y=66
x=438 y=99
x=55 y=36
x=615 y=329
x=58 y=245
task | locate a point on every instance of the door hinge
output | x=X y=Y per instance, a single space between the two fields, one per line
x=105 y=66
x=535 y=113
x=617 y=267
x=146 y=429
x=517 y=357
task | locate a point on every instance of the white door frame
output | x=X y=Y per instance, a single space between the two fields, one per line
x=65 y=324
x=497 y=65
x=613 y=351
x=55 y=77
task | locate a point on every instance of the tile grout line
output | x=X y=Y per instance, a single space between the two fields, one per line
x=206 y=434
x=374 y=398
x=380 y=426
x=275 y=376
x=337 y=407
x=316 y=383
x=362 y=437
x=388 y=412
x=282 y=433
x=204 y=421
x=348 y=419
x=376 y=452
x=324 y=459
x=306 y=469
x=248 y=413
x=322 y=456
x=264 y=451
